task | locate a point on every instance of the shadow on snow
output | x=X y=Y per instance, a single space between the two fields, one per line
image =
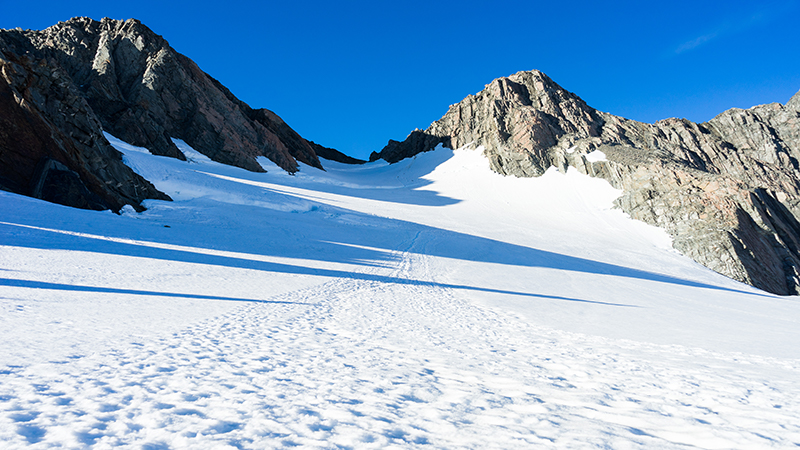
x=343 y=244
x=31 y=284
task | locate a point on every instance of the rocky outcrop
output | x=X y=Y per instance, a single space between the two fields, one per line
x=728 y=191
x=83 y=75
x=51 y=143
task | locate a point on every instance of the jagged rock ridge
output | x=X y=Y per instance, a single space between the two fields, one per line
x=727 y=191
x=125 y=79
x=52 y=146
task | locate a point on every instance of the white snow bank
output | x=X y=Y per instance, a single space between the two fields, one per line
x=596 y=156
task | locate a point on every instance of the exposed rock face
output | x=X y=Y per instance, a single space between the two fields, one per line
x=51 y=144
x=81 y=75
x=728 y=191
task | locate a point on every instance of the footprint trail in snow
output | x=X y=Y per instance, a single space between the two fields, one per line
x=366 y=364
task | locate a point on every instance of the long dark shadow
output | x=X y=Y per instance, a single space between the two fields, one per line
x=132 y=249
x=500 y=291
x=119 y=248
x=30 y=284
x=421 y=197
x=341 y=244
x=499 y=252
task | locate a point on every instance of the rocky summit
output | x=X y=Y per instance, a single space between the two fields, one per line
x=727 y=191
x=62 y=86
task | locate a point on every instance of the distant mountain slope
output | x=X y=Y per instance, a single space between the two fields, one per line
x=727 y=191
x=121 y=76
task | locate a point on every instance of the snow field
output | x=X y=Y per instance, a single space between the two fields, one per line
x=379 y=307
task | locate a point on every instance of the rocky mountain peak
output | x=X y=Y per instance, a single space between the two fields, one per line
x=121 y=77
x=146 y=93
x=519 y=117
x=728 y=190
x=794 y=102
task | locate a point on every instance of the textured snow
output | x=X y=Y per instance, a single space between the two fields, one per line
x=596 y=156
x=429 y=303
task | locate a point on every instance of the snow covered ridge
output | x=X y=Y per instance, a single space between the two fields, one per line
x=430 y=303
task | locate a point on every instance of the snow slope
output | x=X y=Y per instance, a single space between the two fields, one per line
x=429 y=303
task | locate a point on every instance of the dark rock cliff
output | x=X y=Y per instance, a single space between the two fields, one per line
x=51 y=144
x=727 y=191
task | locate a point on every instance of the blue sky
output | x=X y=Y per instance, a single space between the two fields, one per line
x=351 y=75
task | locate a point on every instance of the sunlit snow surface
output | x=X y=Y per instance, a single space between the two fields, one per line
x=429 y=303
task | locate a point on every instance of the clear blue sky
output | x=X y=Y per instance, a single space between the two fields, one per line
x=351 y=75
